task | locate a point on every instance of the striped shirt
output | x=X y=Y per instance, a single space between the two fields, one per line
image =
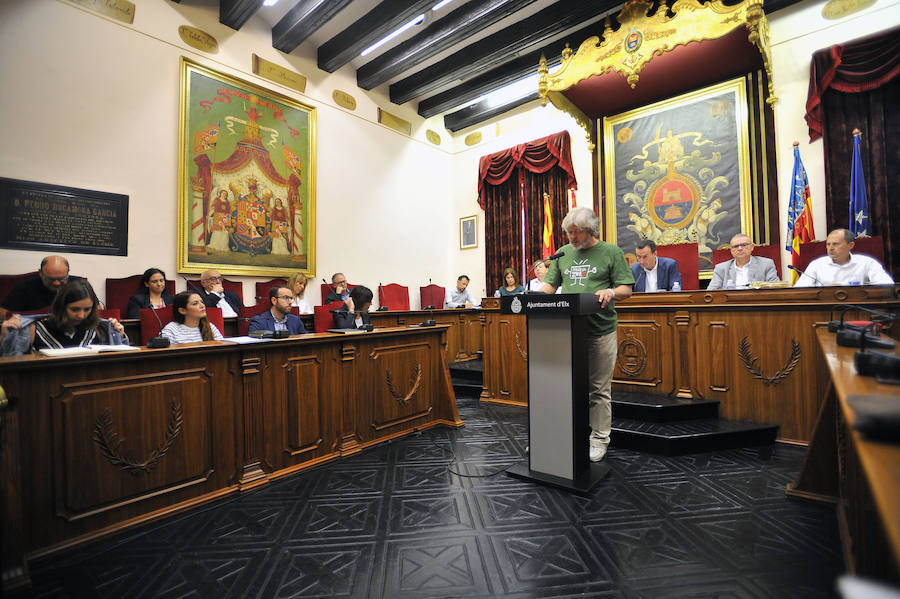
x=177 y=332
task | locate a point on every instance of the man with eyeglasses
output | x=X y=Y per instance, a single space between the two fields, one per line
x=744 y=268
x=37 y=293
x=340 y=291
x=278 y=317
x=214 y=294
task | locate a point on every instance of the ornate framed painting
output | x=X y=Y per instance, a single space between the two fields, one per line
x=246 y=177
x=468 y=232
x=678 y=171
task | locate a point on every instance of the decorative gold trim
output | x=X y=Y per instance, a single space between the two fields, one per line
x=751 y=362
x=107 y=438
x=473 y=139
x=198 y=39
x=523 y=353
x=838 y=9
x=415 y=381
x=343 y=99
x=394 y=122
x=433 y=136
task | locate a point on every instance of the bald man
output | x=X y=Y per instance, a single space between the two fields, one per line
x=214 y=294
x=38 y=292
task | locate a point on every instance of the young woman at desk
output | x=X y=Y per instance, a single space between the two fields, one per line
x=74 y=321
x=511 y=284
x=189 y=324
x=355 y=314
x=152 y=293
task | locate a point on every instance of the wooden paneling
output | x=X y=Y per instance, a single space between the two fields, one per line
x=464 y=336
x=506 y=370
x=93 y=444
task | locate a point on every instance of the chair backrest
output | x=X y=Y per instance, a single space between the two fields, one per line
x=871 y=246
x=322 y=317
x=262 y=290
x=688 y=262
x=394 y=296
x=327 y=287
x=432 y=295
x=118 y=291
x=248 y=312
x=235 y=286
x=150 y=326
x=108 y=313
x=215 y=318
x=773 y=252
x=7 y=282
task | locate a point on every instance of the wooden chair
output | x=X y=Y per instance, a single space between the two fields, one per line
x=871 y=246
x=432 y=295
x=688 y=263
x=262 y=290
x=394 y=296
x=119 y=291
x=773 y=252
x=322 y=317
x=248 y=312
x=7 y=282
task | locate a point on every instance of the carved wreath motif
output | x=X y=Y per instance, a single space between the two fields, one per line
x=751 y=362
x=107 y=438
x=522 y=352
x=415 y=380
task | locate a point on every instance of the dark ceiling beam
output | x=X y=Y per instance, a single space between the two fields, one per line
x=235 y=13
x=444 y=33
x=478 y=113
x=302 y=21
x=377 y=23
x=498 y=47
x=770 y=6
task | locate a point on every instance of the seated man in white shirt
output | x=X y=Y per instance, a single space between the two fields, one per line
x=840 y=267
x=459 y=297
x=744 y=268
x=215 y=296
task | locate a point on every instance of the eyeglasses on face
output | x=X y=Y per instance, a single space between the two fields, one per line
x=286 y=298
x=213 y=279
x=60 y=279
x=738 y=246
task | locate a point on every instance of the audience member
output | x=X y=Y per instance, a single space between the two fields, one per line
x=744 y=268
x=354 y=314
x=511 y=284
x=151 y=293
x=652 y=272
x=459 y=296
x=189 y=324
x=339 y=292
x=278 y=317
x=840 y=267
x=214 y=294
x=74 y=321
x=297 y=284
x=39 y=291
x=540 y=271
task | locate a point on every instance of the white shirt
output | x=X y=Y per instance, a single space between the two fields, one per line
x=227 y=310
x=535 y=285
x=650 y=278
x=455 y=299
x=859 y=270
x=302 y=305
x=742 y=275
x=177 y=332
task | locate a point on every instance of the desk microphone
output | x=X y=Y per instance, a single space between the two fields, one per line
x=795 y=269
x=884 y=366
x=380 y=295
x=159 y=341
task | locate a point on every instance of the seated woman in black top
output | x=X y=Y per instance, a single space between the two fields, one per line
x=74 y=321
x=151 y=294
x=355 y=313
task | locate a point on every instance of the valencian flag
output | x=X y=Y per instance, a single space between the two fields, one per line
x=800 y=218
x=292 y=161
x=859 y=205
x=205 y=139
x=547 y=248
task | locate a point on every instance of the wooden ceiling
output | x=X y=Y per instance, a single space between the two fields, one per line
x=459 y=53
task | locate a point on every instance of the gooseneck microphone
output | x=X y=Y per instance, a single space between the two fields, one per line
x=380 y=295
x=558 y=254
x=159 y=341
x=815 y=280
x=192 y=286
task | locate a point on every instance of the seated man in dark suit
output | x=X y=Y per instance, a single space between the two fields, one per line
x=652 y=272
x=278 y=317
x=38 y=292
x=214 y=294
x=339 y=291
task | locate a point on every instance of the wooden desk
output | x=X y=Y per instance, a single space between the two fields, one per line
x=862 y=477
x=94 y=444
x=753 y=350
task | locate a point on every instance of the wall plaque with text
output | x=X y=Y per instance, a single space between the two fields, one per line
x=39 y=216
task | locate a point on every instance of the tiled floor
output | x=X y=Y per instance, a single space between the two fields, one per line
x=397 y=523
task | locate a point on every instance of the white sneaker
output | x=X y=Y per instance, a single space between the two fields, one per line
x=597 y=452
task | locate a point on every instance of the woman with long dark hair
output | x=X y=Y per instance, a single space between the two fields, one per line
x=189 y=324
x=151 y=293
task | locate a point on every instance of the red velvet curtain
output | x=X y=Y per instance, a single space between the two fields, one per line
x=542 y=165
x=857 y=86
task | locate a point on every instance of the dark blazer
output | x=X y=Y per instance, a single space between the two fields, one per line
x=666 y=275
x=333 y=297
x=140 y=301
x=211 y=299
x=344 y=319
x=266 y=322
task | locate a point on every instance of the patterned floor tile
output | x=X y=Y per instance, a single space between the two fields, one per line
x=531 y=505
x=442 y=566
x=422 y=513
x=328 y=518
x=332 y=571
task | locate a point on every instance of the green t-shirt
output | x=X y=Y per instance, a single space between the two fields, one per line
x=602 y=266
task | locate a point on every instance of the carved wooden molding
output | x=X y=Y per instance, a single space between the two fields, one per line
x=522 y=352
x=751 y=362
x=632 y=355
x=416 y=379
x=107 y=438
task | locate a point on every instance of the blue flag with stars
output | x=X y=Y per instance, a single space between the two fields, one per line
x=859 y=206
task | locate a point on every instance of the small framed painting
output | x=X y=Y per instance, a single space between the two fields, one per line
x=468 y=232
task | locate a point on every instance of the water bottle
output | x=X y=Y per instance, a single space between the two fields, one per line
x=676 y=286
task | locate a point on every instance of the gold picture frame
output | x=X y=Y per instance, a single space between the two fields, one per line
x=468 y=232
x=678 y=171
x=246 y=177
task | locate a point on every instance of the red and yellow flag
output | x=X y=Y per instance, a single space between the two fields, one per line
x=547 y=248
x=800 y=218
x=205 y=139
x=292 y=161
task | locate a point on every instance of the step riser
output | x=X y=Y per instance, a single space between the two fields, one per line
x=665 y=413
x=693 y=444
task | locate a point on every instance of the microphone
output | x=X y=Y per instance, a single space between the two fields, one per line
x=192 y=286
x=795 y=269
x=380 y=295
x=643 y=273
x=558 y=254
x=159 y=341
x=885 y=367
x=330 y=286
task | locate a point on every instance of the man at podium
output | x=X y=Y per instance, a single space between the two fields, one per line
x=589 y=265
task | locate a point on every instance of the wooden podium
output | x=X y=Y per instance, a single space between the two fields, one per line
x=558 y=424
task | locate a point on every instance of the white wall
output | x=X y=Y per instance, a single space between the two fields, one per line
x=92 y=103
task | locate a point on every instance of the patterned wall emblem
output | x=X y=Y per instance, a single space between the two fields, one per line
x=632 y=355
